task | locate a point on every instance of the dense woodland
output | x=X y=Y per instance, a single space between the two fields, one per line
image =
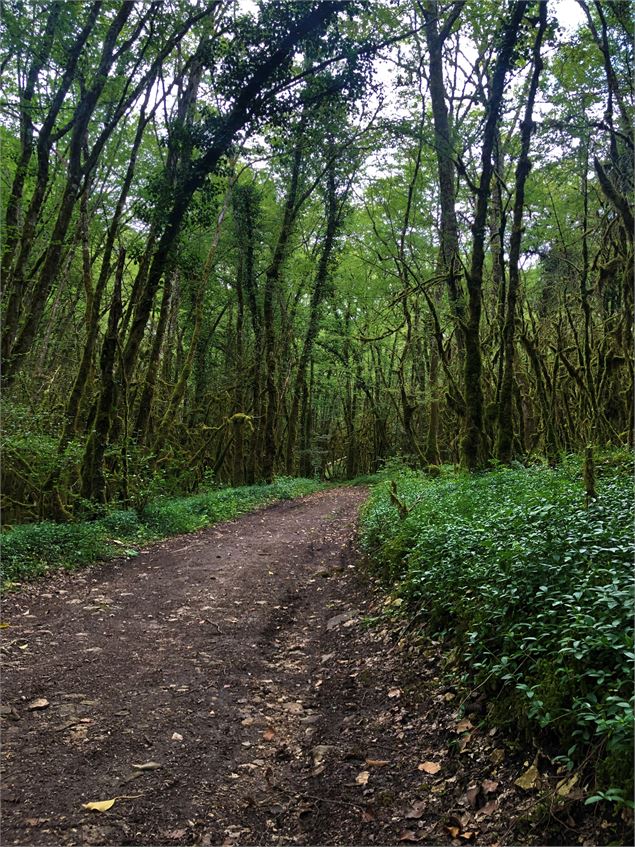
x=242 y=241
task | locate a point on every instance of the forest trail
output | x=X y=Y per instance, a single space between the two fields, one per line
x=236 y=665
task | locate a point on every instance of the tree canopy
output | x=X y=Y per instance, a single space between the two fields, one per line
x=241 y=240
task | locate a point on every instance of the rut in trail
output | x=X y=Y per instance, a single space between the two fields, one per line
x=226 y=688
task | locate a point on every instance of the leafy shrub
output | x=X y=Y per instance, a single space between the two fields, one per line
x=535 y=588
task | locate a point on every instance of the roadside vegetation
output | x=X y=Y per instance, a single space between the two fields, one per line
x=531 y=590
x=31 y=550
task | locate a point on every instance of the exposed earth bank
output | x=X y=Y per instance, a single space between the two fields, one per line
x=229 y=687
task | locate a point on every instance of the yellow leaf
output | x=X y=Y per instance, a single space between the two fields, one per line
x=566 y=786
x=529 y=779
x=4 y=625
x=99 y=805
x=104 y=805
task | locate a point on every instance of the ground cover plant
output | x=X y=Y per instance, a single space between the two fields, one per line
x=534 y=591
x=31 y=550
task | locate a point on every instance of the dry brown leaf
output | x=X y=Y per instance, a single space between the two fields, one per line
x=147 y=766
x=429 y=767
x=394 y=692
x=377 y=763
x=488 y=808
x=319 y=753
x=489 y=786
x=408 y=835
x=453 y=830
x=416 y=811
x=472 y=795
x=468 y=835
x=464 y=725
x=247 y=722
x=40 y=703
x=362 y=777
x=268 y=735
x=464 y=740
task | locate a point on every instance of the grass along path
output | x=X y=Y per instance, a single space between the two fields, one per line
x=32 y=550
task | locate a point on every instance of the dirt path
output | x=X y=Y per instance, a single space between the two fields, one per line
x=239 y=660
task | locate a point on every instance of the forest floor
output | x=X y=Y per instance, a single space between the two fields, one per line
x=237 y=686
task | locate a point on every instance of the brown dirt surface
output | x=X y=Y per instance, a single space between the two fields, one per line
x=238 y=686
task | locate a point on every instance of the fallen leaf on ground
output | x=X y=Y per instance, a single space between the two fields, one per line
x=472 y=795
x=488 y=808
x=319 y=753
x=147 y=766
x=566 y=786
x=464 y=725
x=100 y=805
x=498 y=755
x=453 y=830
x=176 y=736
x=416 y=810
x=247 y=722
x=268 y=735
x=529 y=779
x=394 y=692
x=104 y=805
x=464 y=740
x=489 y=786
x=377 y=763
x=40 y=703
x=408 y=835
x=429 y=767
x=4 y=625
x=362 y=777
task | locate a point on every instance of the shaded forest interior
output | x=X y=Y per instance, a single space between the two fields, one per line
x=306 y=239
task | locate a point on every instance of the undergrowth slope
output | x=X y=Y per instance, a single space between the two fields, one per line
x=533 y=590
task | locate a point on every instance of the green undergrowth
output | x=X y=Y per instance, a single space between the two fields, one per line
x=31 y=550
x=534 y=592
